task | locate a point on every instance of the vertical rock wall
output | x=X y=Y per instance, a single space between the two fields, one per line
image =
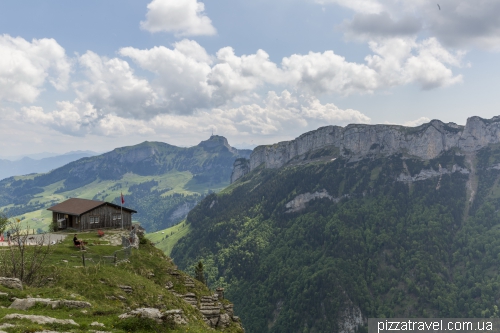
x=425 y=141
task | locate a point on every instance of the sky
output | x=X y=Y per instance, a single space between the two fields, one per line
x=96 y=75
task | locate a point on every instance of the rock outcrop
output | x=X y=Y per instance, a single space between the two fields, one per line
x=216 y=312
x=299 y=202
x=426 y=141
x=41 y=319
x=430 y=173
x=241 y=167
x=12 y=283
x=27 y=303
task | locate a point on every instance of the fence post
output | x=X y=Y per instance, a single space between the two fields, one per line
x=83 y=258
x=115 y=259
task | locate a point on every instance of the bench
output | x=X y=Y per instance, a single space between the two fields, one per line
x=81 y=245
x=100 y=233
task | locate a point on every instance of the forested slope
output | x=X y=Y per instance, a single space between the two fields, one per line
x=314 y=247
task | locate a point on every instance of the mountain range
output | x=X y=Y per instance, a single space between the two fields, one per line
x=162 y=182
x=27 y=165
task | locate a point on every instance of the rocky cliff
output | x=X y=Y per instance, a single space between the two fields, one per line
x=358 y=140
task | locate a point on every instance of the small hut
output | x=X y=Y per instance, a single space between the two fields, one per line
x=83 y=214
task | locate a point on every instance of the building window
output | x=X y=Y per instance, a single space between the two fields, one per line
x=117 y=217
x=94 y=219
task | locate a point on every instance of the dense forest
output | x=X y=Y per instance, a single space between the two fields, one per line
x=389 y=248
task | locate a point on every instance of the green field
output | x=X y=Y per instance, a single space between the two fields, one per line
x=166 y=239
x=173 y=182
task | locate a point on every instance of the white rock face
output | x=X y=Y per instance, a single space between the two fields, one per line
x=26 y=303
x=429 y=173
x=12 y=283
x=240 y=168
x=175 y=316
x=351 y=319
x=299 y=202
x=150 y=313
x=41 y=319
x=95 y=323
x=425 y=141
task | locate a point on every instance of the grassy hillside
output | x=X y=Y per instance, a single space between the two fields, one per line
x=147 y=271
x=160 y=181
x=326 y=243
x=166 y=239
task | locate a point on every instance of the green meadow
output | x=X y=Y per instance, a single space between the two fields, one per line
x=174 y=182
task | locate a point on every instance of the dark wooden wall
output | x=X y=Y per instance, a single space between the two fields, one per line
x=105 y=214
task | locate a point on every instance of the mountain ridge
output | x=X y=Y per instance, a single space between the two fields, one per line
x=326 y=236
x=28 y=165
x=149 y=174
x=359 y=140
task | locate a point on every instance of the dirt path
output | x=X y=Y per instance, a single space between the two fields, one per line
x=48 y=238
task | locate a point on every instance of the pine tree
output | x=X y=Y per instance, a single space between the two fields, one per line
x=198 y=272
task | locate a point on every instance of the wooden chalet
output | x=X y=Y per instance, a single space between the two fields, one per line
x=83 y=214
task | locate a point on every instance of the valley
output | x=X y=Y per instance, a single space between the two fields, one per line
x=149 y=175
x=323 y=232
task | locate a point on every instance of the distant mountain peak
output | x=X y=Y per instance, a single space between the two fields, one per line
x=217 y=141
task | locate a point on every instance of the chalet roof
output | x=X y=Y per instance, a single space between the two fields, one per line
x=77 y=206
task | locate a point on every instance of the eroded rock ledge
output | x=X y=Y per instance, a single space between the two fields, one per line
x=300 y=201
x=430 y=173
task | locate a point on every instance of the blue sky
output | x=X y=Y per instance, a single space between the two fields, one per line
x=96 y=75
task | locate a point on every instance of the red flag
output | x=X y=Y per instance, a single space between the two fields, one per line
x=123 y=199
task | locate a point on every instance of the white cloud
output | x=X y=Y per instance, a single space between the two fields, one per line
x=182 y=17
x=360 y=6
x=113 y=87
x=283 y=115
x=80 y=119
x=328 y=72
x=277 y=115
x=416 y=122
x=187 y=78
x=400 y=61
x=71 y=118
x=181 y=74
x=26 y=66
x=233 y=75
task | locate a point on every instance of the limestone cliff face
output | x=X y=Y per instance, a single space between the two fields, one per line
x=425 y=141
x=240 y=168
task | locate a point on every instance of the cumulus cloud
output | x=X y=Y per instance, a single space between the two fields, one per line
x=187 y=78
x=181 y=74
x=277 y=114
x=401 y=61
x=184 y=18
x=416 y=122
x=233 y=75
x=328 y=72
x=70 y=118
x=112 y=86
x=26 y=66
x=280 y=113
x=79 y=118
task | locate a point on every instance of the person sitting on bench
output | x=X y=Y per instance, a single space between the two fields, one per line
x=77 y=242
